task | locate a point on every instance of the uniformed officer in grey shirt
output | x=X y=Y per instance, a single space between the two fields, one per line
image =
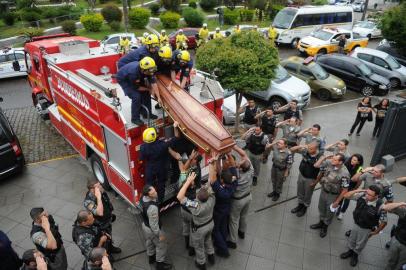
x=334 y=184
x=154 y=236
x=241 y=199
x=290 y=131
x=281 y=163
x=397 y=250
x=339 y=147
x=312 y=135
x=202 y=216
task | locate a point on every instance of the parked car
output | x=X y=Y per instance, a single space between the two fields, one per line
x=112 y=41
x=11 y=156
x=355 y=73
x=229 y=107
x=383 y=64
x=358 y=6
x=343 y=3
x=190 y=34
x=367 y=29
x=12 y=63
x=283 y=89
x=390 y=48
x=322 y=84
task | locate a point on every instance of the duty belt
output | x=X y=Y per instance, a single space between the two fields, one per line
x=195 y=227
x=242 y=197
x=278 y=167
x=329 y=192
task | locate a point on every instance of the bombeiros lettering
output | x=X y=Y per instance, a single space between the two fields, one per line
x=74 y=94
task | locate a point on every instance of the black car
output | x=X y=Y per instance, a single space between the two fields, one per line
x=389 y=48
x=11 y=156
x=356 y=75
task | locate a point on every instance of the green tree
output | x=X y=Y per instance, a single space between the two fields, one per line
x=393 y=26
x=245 y=63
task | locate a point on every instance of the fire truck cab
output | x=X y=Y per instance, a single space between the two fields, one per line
x=72 y=81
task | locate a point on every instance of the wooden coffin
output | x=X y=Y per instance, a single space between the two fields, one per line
x=196 y=121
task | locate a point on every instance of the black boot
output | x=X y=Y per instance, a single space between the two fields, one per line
x=163 y=266
x=354 y=259
x=231 y=245
x=297 y=208
x=241 y=234
x=151 y=259
x=192 y=251
x=317 y=225
x=200 y=266
x=211 y=258
x=187 y=242
x=346 y=254
x=254 y=181
x=270 y=195
x=302 y=211
x=323 y=231
x=115 y=250
x=276 y=197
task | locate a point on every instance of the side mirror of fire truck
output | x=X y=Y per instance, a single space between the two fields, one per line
x=16 y=66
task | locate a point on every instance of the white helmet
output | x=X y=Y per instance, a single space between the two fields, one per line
x=217 y=28
x=163 y=31
x=205 y=25
x=145 y=35
x=255 y=26
x=181 y=31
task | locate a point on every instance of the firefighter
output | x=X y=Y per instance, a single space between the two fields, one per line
x=150 y=49
x=203 y=34
x=144 y=38
x=165 y=60
x=182 y=66
x=136 y=79
x=217 y=34
x=181 y=40
x=163 y=38
x=237 y=29
x=155 y=153
x=272 y=34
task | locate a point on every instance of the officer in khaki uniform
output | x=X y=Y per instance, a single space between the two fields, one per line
x=334 y=184
x=202 y=217
x=290 y=129
x=282 y=162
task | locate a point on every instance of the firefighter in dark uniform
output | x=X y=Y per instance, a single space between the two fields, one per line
x=291 y=110
x=369 y=220
x=250 y=110
x=165 y=61
x=256 y=144
x=86 y=234
x=268 y=126
x=397 y=250
x=138 y=82
x=182 y=65
x=47 y=239
x=155 y=153
x=151 y=226
x=98 y=202
x=150 y=49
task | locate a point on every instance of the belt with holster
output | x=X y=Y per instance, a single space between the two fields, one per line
x=242 y=197
x=195 y=227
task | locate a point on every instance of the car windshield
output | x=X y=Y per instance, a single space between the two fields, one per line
x=365 y=69
x=281 y=73
x=318 y=71
x=323 y=35
x=392 y=62
x=368 y=25
x=284 y=18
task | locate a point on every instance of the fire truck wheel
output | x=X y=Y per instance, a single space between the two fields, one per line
x=98 y=171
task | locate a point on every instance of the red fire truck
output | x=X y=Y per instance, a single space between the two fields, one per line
x=72 y=81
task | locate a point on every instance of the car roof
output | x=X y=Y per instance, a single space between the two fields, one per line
x=335 y=30
x=121 y=34
x=371 y=52
x=346 y=58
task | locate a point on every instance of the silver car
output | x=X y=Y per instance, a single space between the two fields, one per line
x=229 y=107
x=383 y=64
x=283 y=89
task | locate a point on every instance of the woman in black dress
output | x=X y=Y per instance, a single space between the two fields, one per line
x=380 y=110
x=364 y=108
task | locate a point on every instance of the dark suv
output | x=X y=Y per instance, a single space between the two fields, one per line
x=11 y=156
x=356 y=75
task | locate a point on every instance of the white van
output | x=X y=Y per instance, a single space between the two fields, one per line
x=294 y=23
x=8 y=59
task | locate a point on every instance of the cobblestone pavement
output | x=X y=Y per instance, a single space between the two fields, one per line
x=39 y=140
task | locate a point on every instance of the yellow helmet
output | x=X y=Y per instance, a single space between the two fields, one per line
x=149 y=135
x=152 y=39
x=165 y=52
x=184 y=56
x=147 y=63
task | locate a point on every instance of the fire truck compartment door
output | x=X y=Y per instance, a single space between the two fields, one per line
x=117 y=154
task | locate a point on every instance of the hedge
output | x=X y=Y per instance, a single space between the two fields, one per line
x=231 y=16
x=247 y=15
x=208 y=5
x=69 y=26
x=32 y=32
x=193 y=17
x=139 y=17
x=154 y=7
x=111 y=13
x=170 y=19
x=8 y=18
x=192 y=4
x=115 y=26
x=92 y=22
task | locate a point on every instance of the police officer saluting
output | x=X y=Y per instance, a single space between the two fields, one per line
x=307 y=176
x=397 y=250
x=291 y=110
x=98 y=202
x=202 y=216
x=334 y=184
x=268 y=126
x=256 y=145
x=154 y=236
x=250 y=111
x=369 y=220
x=46 y=237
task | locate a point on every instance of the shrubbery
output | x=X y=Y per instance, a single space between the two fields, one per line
x=92 y=22
x=170 y=19
x=193 y=17
x=247 y=15
x=230 y=16
x=192 y=4
x=154 y=7
x=171 y=4
x=139 y=17
x=8 y=18
x=111 y=13
x=30 y=15
x=208 y=5
x=115 y=26
x=274 y=10
x=32 y=32
x=69 y=26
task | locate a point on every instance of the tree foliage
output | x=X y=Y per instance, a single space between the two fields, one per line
x=393 y=26
x=111 y=13
x=139 y=17
x=193 y=17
